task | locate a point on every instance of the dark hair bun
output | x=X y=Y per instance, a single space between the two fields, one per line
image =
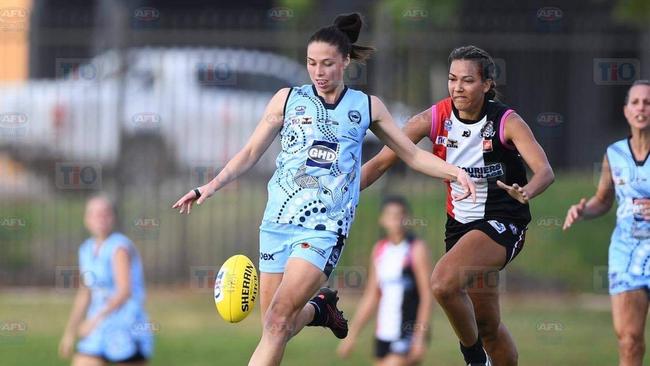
x=350 y=24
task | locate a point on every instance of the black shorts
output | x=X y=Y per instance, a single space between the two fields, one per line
x=506 y=233
x=384 y=348
x=136 y=358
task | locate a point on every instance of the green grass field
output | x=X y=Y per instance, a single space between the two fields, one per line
x=549 y=330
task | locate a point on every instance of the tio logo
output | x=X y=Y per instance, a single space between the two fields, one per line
x=350 y=278
x=280 y=14
x=216 y=74
x=203 y=174
x=616 y=71
x=69 y=278
x=356 y=74
x=79 y=69
x=78 y=176
x=202 y=277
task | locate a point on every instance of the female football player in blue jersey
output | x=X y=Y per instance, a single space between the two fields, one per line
x=626 y=176
x=314 y=192
x=108 y=314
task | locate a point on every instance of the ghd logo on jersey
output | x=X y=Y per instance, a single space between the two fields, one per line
x=322 y=154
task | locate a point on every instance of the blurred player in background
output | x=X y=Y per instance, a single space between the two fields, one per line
x=108 y=314
x=473 y=130
x=398 y=285
x=625 y=176
x=314 y=191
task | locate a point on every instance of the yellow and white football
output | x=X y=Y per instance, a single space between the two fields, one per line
x=235 y=288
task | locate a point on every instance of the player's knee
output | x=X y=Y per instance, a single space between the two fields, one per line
x=488 y=330
x=444 y=287
x=278 y=320
x=631 y=344
x=512 y=357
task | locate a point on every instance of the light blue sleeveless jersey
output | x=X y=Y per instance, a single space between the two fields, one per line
x=316 y=184
x=629 y=252
x=127 y=329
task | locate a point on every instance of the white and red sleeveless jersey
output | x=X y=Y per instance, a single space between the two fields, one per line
x=399 y=300
x=480 y=148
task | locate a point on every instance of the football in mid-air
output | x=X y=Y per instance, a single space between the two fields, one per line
x=235 y=288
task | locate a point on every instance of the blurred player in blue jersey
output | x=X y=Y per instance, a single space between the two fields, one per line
x=626 y=176
x=108 y=315
x=315 y=189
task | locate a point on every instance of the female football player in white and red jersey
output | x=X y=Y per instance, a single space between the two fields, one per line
x=487 y=139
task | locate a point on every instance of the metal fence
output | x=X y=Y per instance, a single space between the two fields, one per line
x=145 y=101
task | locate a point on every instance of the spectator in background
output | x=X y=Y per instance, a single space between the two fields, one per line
x=108 y=315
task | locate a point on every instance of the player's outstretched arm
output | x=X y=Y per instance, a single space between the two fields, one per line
x=386 y=130
x=597 y=205
x=416 y=128
x=367 y=306
x=79 y=308
x=518 y=132
x=266 y=131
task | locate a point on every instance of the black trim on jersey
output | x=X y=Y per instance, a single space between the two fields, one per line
x=470 y=121
x=499 y=203
x=637 y=162
x=329 y=266
x=284 y=109
x=411 y=297
x=329 y=105
x=370 y=111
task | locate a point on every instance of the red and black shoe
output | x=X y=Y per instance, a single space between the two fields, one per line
x=327 y=314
